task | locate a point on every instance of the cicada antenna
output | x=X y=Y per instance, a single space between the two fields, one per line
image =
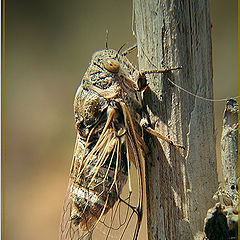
x=106 y=39
x=120 y=48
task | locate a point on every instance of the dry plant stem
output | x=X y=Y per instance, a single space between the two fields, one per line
x=229 y=149
x=221 y=221
x=179 y=187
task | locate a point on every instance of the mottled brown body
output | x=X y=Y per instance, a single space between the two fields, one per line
x=107 y=110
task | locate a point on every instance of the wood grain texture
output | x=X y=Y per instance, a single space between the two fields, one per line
x=221 y=221
x=179 y=185
x=229 y=150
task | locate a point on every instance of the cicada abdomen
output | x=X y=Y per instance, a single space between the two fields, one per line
x=107 y=112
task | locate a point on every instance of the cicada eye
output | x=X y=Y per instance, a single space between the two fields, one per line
x=111 y=65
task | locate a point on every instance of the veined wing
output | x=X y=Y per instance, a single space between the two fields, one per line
x=96 y=204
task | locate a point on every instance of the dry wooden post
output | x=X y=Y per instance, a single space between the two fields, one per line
x=173 y=33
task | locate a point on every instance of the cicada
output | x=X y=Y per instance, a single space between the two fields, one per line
x=109 y=121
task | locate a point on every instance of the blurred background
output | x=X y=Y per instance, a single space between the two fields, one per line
x=48 y=47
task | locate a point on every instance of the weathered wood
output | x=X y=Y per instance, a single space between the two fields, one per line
x=222 y=220
x=229 y=150
x=179 y=185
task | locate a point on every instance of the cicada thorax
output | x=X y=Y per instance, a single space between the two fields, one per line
x=106 y=118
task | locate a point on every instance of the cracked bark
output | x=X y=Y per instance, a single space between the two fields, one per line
x=179 y=185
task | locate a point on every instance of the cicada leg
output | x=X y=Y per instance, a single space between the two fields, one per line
x=158 y=135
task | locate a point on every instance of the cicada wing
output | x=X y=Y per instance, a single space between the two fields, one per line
x=126 y=215
x=68 y=230
x=97 y=205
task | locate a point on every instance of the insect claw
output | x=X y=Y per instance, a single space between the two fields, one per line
x=176 y=68
x=178 y=147
x=182 y=147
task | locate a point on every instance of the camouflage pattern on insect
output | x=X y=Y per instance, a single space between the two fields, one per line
x=108 y=119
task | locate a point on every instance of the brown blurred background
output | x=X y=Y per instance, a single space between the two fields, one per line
x=48 y=46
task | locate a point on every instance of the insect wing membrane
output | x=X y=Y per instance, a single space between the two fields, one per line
x=98 y=206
